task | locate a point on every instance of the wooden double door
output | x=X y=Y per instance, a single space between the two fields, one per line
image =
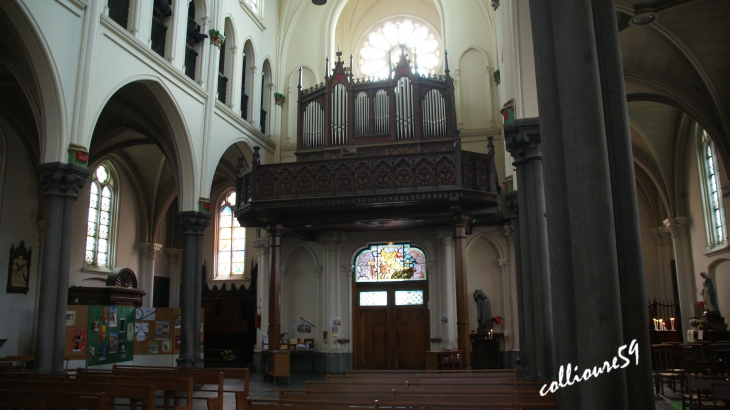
x=393 y=330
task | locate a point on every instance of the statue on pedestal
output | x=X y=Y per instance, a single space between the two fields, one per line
x=484 y=312
x=709 y=295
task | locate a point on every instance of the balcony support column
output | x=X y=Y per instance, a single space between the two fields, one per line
x=462 y=309
x=275 y=232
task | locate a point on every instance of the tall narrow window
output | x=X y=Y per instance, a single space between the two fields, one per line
x=231 y=240
x=715 y=214
x=101 y=211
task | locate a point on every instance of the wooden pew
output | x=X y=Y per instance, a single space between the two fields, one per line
x=135 y=393
x=174 y=389
x=279 y=404
x=228 y=373
x=38 y=399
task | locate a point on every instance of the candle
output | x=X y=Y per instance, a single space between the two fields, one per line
x=672 y=320
x=655 y=324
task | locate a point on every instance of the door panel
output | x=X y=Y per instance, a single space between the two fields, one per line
x=411 y=325
x=373 y=334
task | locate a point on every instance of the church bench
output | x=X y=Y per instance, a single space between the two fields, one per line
x=508 y=398
x=285 y=404
x=203 y=377
x=39 y=399
x=135 y=393
x=415 y=388
x=174 y=389
x=499 y=378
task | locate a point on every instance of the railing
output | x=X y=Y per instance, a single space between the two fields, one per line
x=222 y=87
x=263 y=121
x=191 y=61
x=244 y=106
x=423 y=172
x=159 y=35
x=347 y=113
x=119 y=11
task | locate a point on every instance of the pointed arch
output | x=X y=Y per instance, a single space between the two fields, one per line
x=294 y=249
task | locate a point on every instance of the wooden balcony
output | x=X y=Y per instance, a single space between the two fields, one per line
x=411 y=190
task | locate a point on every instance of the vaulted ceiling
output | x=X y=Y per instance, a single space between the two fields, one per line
x=676 y=58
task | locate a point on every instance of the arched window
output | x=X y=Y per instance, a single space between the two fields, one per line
x=393 y=37
x=102 y=214
x=390 y=262
x=712 y=196
x=231 y=240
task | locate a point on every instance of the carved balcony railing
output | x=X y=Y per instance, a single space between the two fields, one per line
x=425 y=185
x=191 y=60
x=346 y=116
x=158 y=37
x=119 y=11
x=222 y=87
x=244 y=106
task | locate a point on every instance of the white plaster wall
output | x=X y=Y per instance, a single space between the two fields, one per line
x=300 y=291
x=18 y=222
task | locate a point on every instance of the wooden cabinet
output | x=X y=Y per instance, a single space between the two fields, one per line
x=276 y=364
x=485 y=352
x=443 y=360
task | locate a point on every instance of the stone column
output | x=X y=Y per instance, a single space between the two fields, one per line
x=583 y=261
x=447 y=292
x=686 y=282
x=174 y=259
x=462 y=310
x=521 y=302
x=61 y=184
x=663 y=240
x=274 y=330
x=514 y=319
x=639 y=381
x=192 y=225
x=262 y=285
x=148 y=252
x=334 y=300
x=522 y=140
x=233 y=96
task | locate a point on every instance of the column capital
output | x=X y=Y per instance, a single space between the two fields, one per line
x=522 y=140
x=331 y=240
x=319 y=269
x=347 y=270
x=192 y=222
x=61 y=179
x=677 y=226
x=150 y=250
x=444 y=239
x=503 y=263
x=262 y=244
x=509 y=231
x=431 y=268
x=174 y=255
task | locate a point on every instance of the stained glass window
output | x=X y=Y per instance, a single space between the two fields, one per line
x=98 y=229
x=390 y=262
x=408 y=297
x=393 y=37
x=231 y=240
x=379 y=298
x=717 y=232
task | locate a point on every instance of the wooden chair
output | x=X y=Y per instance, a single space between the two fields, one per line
x=662 y=359
x=698 y=392
x=721 y=393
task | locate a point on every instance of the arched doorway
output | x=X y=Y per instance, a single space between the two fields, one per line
x=390 y=307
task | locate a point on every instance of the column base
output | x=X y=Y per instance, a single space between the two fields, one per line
x=184 y=362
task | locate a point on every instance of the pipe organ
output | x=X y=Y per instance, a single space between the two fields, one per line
x=361 y=114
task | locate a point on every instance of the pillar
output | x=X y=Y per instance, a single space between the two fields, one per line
x=521 y=301
x=686 y=283
x=274 y=330
x=462 y=310
x=262 y=285
x=148 y=252
x=334 y=300
x=663 y=242
x=61 y=184
x=510 y=284
x=192 y=226
x=174 y=259
x=447 y=280
x=579 y=204
x=522 y=140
